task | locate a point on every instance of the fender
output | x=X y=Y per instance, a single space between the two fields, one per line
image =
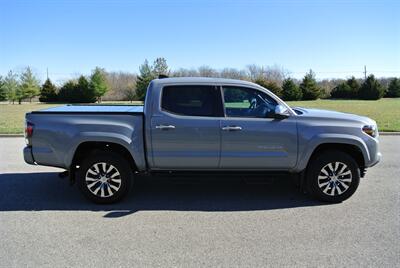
x=323 y=138
x=126 y=142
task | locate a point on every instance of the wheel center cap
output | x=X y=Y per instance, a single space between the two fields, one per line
x=103 y=179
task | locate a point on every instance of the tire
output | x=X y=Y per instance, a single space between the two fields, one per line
x=104 y=177
x=332 y=176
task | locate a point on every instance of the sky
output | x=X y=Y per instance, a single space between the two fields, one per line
x=333 y=38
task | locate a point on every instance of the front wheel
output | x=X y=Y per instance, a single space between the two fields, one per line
x=333 y=176
x=104 y=177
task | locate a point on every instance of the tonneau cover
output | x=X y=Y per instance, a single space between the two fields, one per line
x=93 y=109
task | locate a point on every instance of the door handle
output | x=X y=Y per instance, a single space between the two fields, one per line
x=232 y=128
x=165 y=127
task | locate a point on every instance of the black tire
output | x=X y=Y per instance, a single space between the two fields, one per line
x=117 y=181
x=339 y=184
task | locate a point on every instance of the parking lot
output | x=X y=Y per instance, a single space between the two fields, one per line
x=196 y=221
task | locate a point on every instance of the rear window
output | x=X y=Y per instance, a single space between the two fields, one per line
x=190 y=100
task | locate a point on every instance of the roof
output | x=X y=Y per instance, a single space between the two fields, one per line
x=201 y=80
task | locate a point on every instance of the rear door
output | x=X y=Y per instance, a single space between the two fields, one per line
x=250 y=137
x=186 y=133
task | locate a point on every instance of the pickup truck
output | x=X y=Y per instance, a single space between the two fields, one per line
x=200 y=125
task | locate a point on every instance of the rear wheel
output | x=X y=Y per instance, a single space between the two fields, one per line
x=333 y=176
x=104 y=177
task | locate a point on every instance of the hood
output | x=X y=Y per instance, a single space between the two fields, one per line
x=327 y=114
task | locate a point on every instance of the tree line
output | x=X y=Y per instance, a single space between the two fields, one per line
x=15 y=87
x=101 y=84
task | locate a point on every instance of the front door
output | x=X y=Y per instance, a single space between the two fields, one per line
x=186 y=133
x=250 y=137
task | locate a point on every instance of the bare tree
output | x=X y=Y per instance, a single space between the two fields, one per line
x=130 y=92
x=207 y=71
x=118 y=82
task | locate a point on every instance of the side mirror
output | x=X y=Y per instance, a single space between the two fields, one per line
x=281 y=112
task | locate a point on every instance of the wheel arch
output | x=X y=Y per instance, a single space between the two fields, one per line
x=350 y=149
x=87 y=147
x=354 y=146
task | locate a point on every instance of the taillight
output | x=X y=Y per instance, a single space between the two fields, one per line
x=29 y=129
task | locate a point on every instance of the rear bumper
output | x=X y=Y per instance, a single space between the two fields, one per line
x=28 y=156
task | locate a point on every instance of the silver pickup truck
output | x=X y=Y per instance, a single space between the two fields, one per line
x=202 y=125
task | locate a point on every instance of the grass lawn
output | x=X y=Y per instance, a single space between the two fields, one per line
x=12 y=116
x=385 y=111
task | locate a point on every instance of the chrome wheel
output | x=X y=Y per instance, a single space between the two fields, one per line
x=103 y=179
x=335 y=178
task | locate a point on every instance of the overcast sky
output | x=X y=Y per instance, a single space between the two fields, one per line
x=334 y=38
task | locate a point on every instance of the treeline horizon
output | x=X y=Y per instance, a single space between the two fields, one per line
x=126 y=86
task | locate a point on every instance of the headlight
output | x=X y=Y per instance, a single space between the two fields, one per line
x=370 y=130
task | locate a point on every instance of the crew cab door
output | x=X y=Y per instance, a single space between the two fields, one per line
x=251 y=138
x=185 y=132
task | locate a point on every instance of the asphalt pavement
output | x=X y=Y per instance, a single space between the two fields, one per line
x=192 y=222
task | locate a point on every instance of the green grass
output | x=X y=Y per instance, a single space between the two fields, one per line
x=386 y=112
x=12 y=116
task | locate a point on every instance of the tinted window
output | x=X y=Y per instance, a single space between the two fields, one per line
x=247 y=102
x=190 y=100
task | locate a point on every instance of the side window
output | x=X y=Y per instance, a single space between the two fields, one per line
x=190 y=100
x=247 y=102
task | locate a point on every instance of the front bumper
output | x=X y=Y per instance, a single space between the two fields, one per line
x=28 y=156
x=376 y=160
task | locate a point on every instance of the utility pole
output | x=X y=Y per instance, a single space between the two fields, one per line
x=47 y=73
x=365 y=72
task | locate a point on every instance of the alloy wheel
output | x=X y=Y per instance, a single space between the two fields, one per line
x=335 y=178
x=103 y=179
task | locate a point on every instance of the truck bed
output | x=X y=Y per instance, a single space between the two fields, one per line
x=58 y=131
x=135 y=109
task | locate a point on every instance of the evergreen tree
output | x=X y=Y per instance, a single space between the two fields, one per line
x=66 y=93
x=270 y=85
x=143 y=80
x=48 y=92
x=309 y=87
x=160 y=67
x=98 y=83
x=394 y=88
x=11 y=86
x=371 y=89
x=354 y=87
x=342 y=91
x=3 y=93
x=84 y=93
x=290 y=91
x=29 y=86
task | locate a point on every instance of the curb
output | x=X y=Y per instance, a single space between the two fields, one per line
x=389 y=133
x=11 y=135
x=22 y=135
